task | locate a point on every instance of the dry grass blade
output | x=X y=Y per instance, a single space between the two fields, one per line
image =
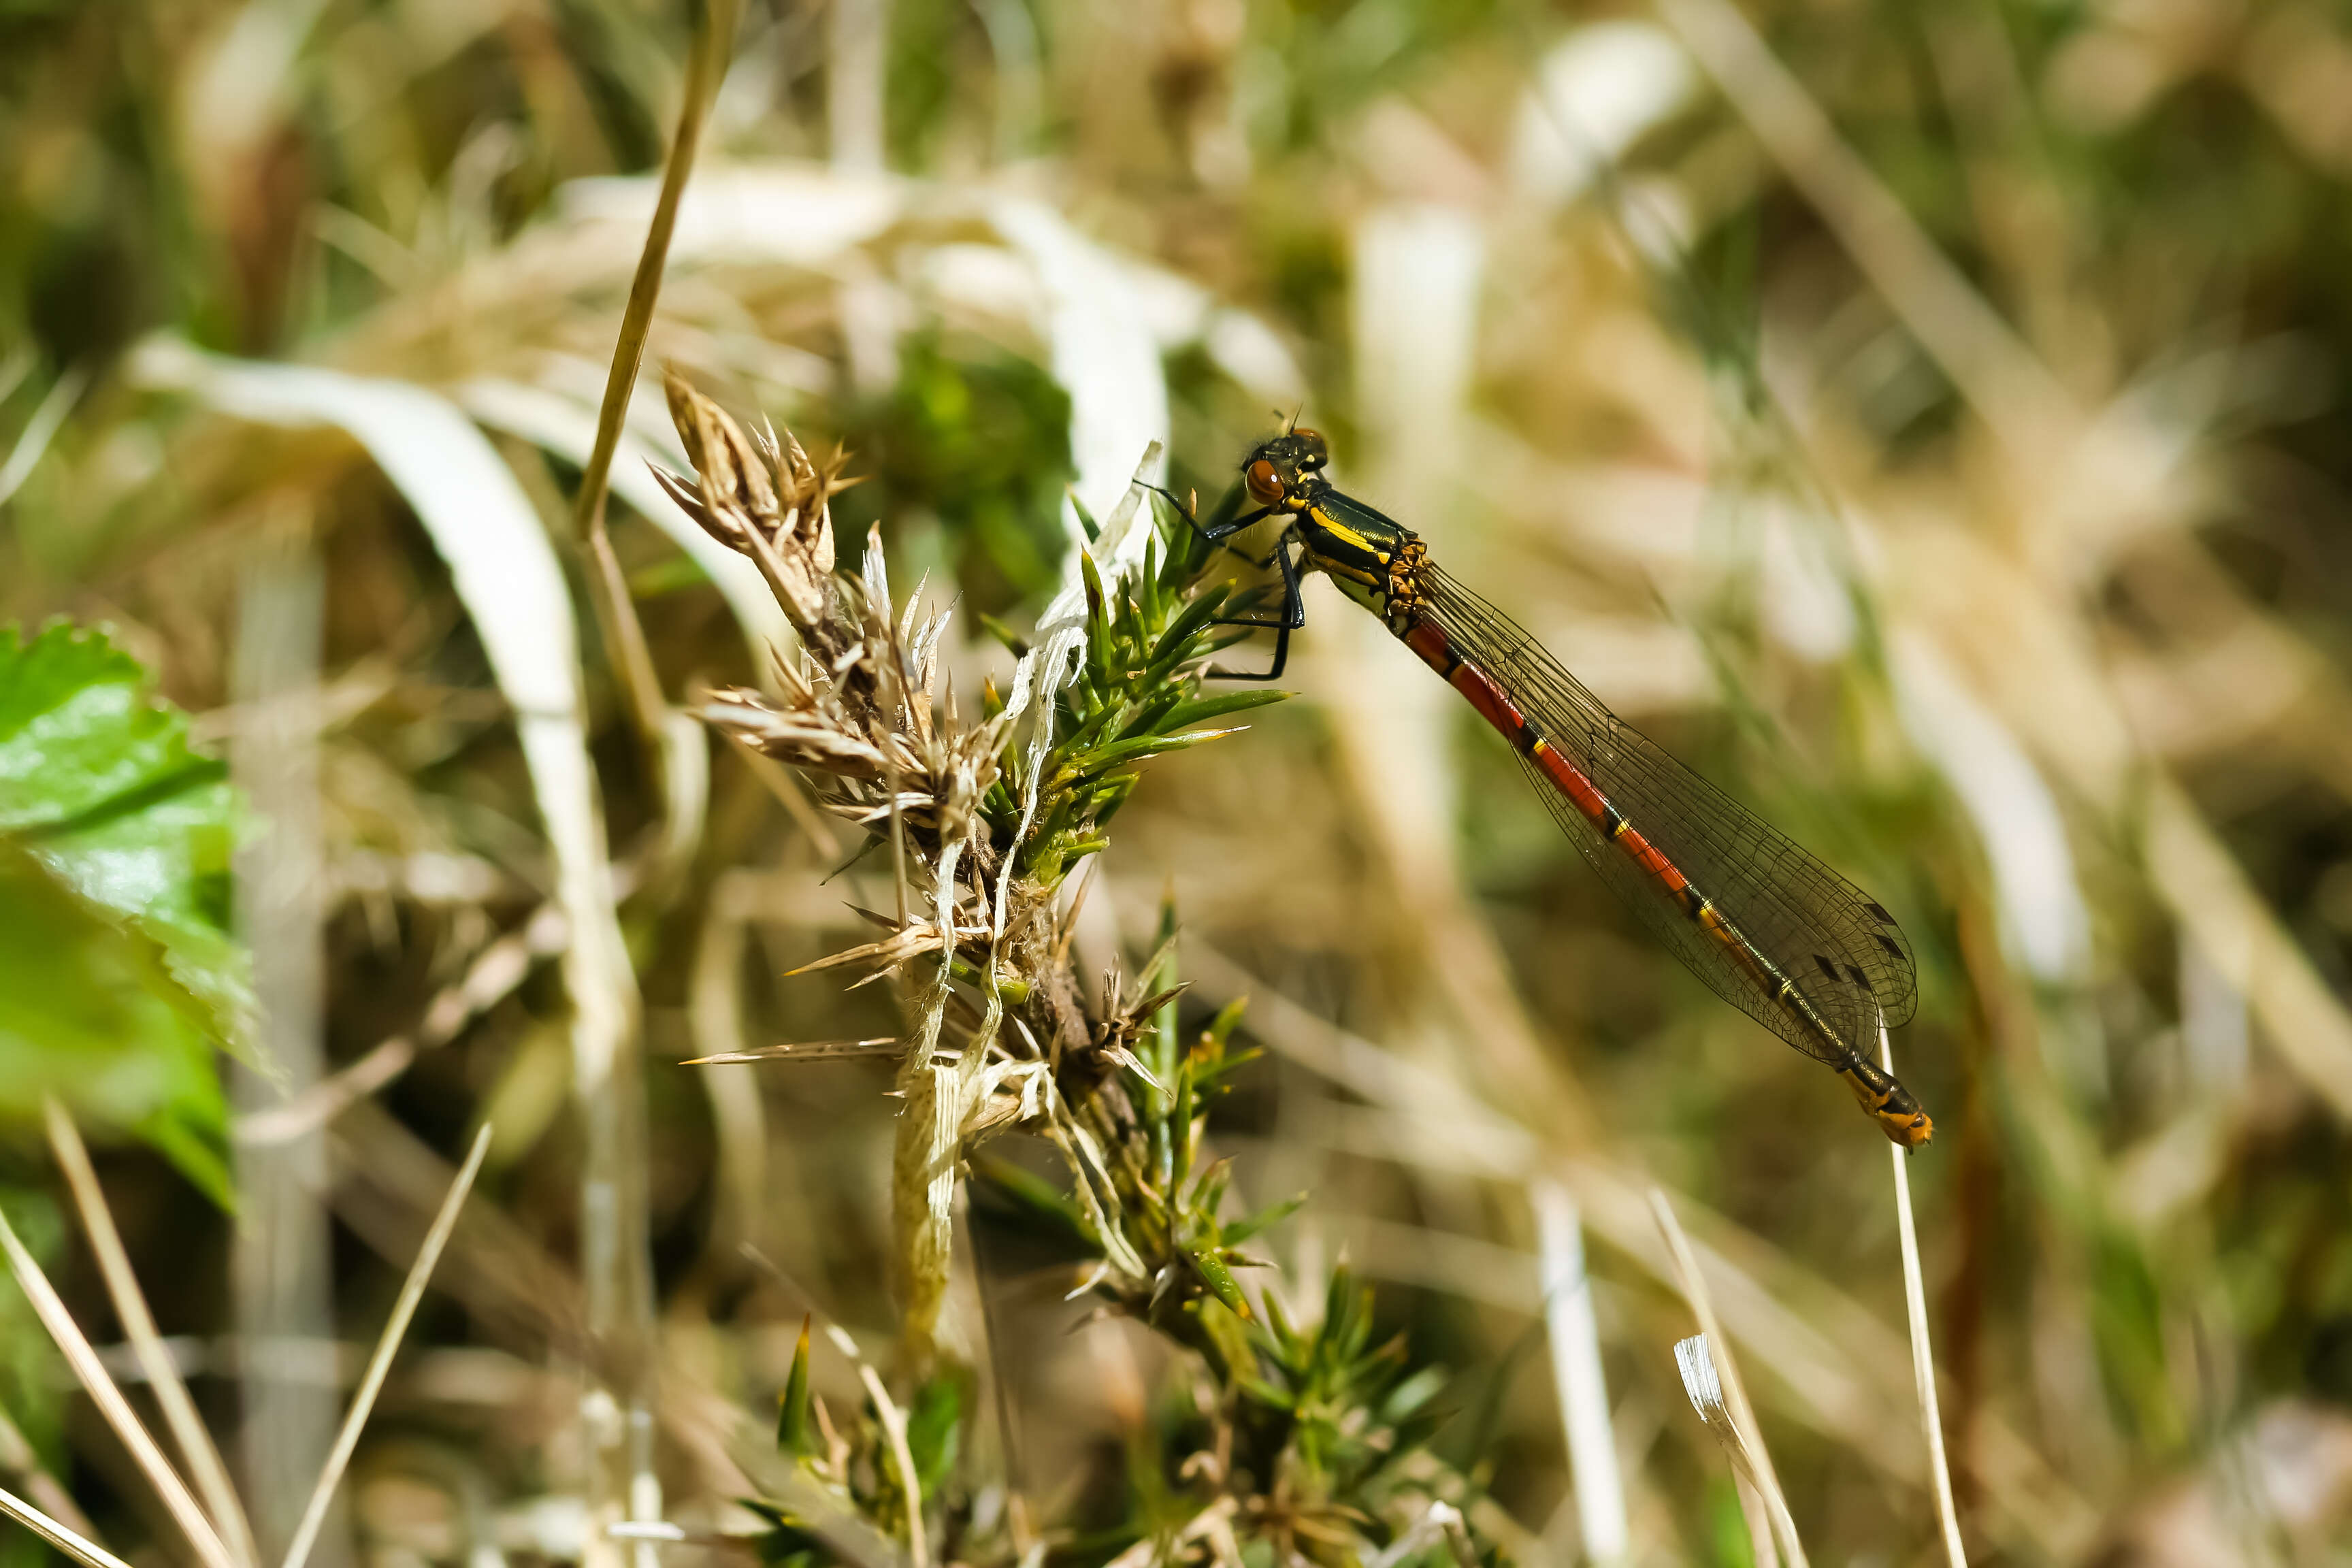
x=92 y=1373
x=71 y=1542
x=1703 y=1384
x=1741 y=1413
x=372 y=1384
x=1923 y=1357
x=1576 y=1369
x=204 y=1460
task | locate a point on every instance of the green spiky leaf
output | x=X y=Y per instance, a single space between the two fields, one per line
x=796 y=1432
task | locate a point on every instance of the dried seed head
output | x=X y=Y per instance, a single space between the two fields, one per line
x=759 y=495
x=731 y=475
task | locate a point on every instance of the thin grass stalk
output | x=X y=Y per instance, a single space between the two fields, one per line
x=71 y=1542
x=705 y=69
x=40 y=430
x=617 y=1261
x=1923 y=1357
x=894 y=1426
x=412 y=1290
x=1743 y=1414
x=94 y=1378
x=204 y=1460
x=1576 y=1370
x=22 y=1465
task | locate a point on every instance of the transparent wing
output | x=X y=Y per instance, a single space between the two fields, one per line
x=1841 y=949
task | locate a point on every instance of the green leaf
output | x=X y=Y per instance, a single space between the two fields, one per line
x=1014 y=641
x=1117 y=752
x=1036 y=1201
x=99 y=781
x=1240 y=1230
x=1219 y=1279
x=118 y=974
x=89 y=1011
x=934 y=1422
x=795 y=1431
x=1192 y=712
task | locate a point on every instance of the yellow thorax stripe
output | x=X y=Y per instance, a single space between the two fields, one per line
x=1344 y=535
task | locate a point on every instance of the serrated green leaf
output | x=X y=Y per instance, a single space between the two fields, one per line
x=118 y=976
x=97 y=781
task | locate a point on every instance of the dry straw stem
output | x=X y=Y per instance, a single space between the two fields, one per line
x=100 y=1386
x=1743 y=1414
x=23 y=1466
x=1923 y=1358
x=412 y=1291
x=71 y=1542
x=204 y=1460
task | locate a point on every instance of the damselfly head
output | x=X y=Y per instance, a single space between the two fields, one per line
x=1281 y=468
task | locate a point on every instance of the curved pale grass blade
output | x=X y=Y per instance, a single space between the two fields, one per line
x=1704 y=1386
x=1738 y=1415
x=797 y=216
x=2043 y=920
x=1103 y=354
x=505 y=571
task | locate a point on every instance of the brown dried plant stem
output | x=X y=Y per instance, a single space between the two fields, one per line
x=615 y=609
x=615 y=1264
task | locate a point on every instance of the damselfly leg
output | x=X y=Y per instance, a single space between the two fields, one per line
x=1293 y=612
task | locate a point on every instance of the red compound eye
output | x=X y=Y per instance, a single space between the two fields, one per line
x=1263 y=483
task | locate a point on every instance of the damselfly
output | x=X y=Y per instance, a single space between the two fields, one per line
x=1772 y=929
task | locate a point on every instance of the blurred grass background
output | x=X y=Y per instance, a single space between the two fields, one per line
x=1919 y=419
